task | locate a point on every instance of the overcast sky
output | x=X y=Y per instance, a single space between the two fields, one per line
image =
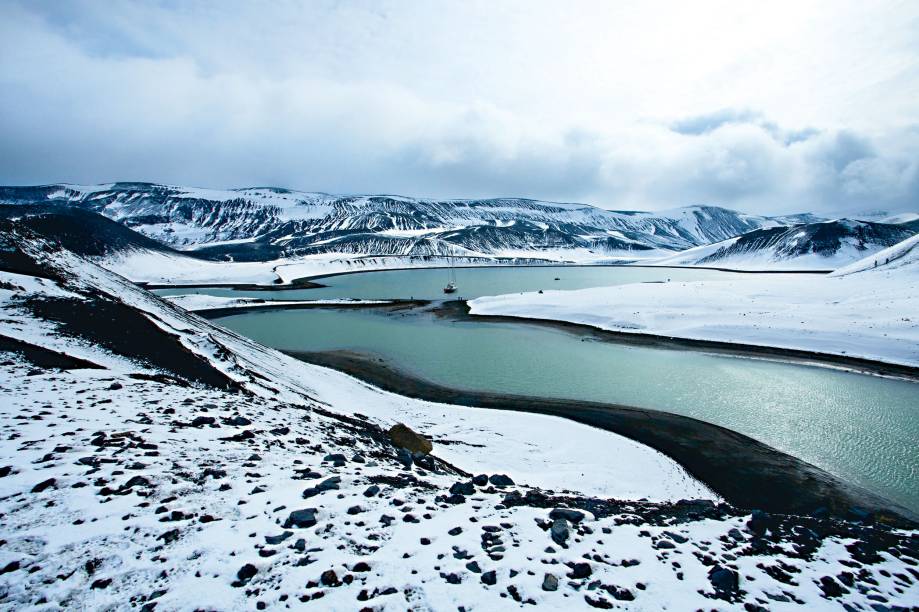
x=760 y=106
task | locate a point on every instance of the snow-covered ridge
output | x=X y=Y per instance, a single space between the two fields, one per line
x=825 y=245
x=264 y=223
x=902 y=258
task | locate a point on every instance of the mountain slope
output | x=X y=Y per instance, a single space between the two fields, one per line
x=900 y=259
x=819 y=246
x=267 y=223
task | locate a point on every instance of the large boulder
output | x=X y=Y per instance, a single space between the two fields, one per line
x=403 y=437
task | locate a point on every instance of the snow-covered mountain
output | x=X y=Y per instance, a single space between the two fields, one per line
x=267 y=223
x=825 y=245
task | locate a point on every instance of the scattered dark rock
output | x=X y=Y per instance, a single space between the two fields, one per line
x=329 y=578
x=549 y=583
x=501 y=480
x=301 y=518
x=277 y=539
x=45 y=484
x=572 y=516
x=329 y=484
x=725 y=581
x=246 y=573
x=490 y=578
x=463 y=488
x=580 y=570
x=201 y=421
x=831 y=588
x=12 y=566
x=371 y=491
x=559 y=531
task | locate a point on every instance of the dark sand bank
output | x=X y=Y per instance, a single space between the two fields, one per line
x=745 y=472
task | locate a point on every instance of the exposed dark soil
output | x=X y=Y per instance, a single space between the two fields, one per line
x=42 y=357
x=125 y=331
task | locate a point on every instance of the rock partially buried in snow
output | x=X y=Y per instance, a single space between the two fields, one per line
x=301 y=518
x=572 y=516
x=403 y=437
x=550 y=583
x=559 y=531
x=725 y=581
x=501 y=480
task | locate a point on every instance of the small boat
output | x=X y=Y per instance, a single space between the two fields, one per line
x=451 y=279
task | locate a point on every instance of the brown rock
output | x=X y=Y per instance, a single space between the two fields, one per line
x=403 y=437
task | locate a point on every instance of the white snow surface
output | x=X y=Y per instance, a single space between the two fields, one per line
x=873 y=314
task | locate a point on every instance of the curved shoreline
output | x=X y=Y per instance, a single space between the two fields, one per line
x=459 y=311
x=745 y=472
x=307 y=282
x=225 y=311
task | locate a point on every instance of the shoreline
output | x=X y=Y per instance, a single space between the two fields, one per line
x=745 y=472
x=459 y=311
x=307 y=282
x=217 y=313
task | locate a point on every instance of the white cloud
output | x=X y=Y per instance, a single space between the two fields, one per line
x=802 y=106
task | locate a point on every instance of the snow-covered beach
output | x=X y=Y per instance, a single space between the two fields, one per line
x=858 y=311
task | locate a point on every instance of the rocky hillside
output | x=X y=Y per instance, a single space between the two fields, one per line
x=153 y=460
x=826 y=245
x=267 y=223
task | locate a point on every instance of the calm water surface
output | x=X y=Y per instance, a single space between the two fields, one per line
x=862 y=428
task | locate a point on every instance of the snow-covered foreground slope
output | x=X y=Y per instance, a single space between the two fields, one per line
x=871 y=314
x=180 y=466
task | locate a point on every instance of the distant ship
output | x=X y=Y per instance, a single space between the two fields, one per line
x=451 y=279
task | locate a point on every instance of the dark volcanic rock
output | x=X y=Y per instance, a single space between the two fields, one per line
x=580 y=570
x=726 y=582
x=559 y=531
x=329 y=484
x=301 y=518
x=277 y=539
x=201 y=421
x=463 y=488
x=501 y=480
x=490 y=578
x=572 y=516
x=549 y=583
x=329 y=578
x=45 y=484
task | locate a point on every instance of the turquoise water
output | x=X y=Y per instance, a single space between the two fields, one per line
x=861 y=428
x=473 y=282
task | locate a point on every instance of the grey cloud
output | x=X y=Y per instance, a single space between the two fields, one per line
x=703 y=124
x=80 y=106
